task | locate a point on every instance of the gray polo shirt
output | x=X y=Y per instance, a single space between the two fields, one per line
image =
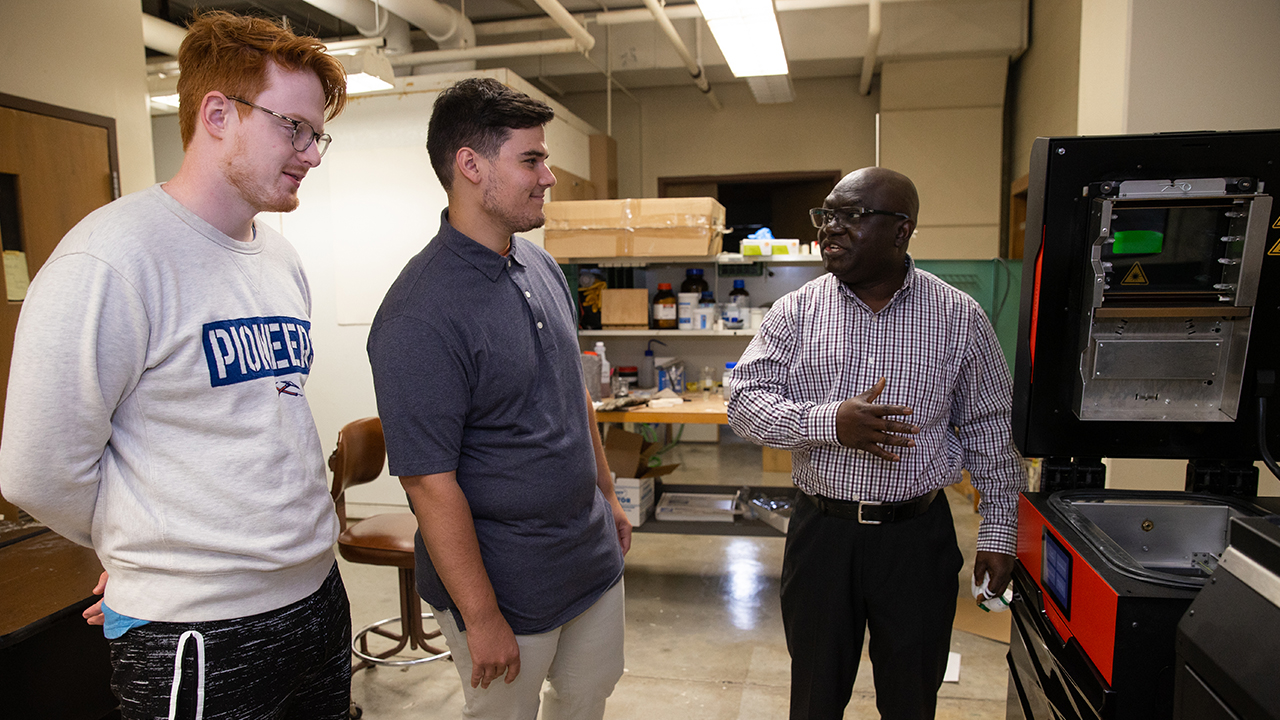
x=476 y=370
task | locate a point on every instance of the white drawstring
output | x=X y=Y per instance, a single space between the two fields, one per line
x=177 y=675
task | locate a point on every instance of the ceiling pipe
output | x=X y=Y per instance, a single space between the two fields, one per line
x=873 y=44
x=449 y=28
x=370 y=21
x=487 y=52
x=162 y=36
x=556 y=11
x=639 y=15
x=612 y=17
x=695 y=70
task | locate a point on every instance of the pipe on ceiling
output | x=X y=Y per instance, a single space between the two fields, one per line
x=691 y=64
x=487 y=52
x=443 y=24
x=873 y=44
x=370 y=21
x=556 y=11
x=162 y=36
x=612 y=17
x=639 y=15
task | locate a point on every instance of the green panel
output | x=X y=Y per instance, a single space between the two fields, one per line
x=1133 y=242
x=995 y=284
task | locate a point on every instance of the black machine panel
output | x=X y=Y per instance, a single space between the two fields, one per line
x=1132 y=341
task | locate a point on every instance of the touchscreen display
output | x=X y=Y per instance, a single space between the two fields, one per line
x=1056 y=572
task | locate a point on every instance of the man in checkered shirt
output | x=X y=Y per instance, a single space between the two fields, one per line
x=883 y=382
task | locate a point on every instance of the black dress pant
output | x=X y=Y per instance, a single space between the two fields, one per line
x=900 y=579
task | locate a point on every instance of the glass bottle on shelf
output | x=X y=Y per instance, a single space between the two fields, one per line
x=694 y=282
x=735 y=310
x=664 y=308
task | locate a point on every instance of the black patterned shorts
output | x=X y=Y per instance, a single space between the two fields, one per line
x=292 y=663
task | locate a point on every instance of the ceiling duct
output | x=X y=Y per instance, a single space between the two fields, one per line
x=486 y=52
x=371 y=21
x=449 y=28
x=162 y=36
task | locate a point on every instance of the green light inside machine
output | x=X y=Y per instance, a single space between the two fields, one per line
x=1133 y=242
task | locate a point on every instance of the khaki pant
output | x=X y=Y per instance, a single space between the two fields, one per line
x=580 y=660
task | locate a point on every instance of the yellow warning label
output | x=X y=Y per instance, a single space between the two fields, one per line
x=1276 y=225
x=1275 y=249
x=1135 y=276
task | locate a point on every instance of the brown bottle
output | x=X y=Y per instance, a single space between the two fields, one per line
x=664 y=308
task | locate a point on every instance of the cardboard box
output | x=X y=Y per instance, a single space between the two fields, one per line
x=634 y=491
x=626 y=308
x=634 y=227
x=636 y=496
x=628 y=456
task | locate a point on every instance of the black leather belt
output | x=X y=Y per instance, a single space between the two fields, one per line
x=869 y=512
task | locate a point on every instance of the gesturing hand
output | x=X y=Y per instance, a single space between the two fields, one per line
x=861 y=424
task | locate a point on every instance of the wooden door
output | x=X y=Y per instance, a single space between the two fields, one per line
x=56 y=166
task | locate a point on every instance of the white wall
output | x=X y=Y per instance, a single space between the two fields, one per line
x=1198 y=65
x=1047 y=80
x=941 y=124
x=675 y=132
x=166 y=138
x=86 y=56
x=1106 y=36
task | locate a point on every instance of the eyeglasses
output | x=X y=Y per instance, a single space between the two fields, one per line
x=303 y=133
x=846 y=216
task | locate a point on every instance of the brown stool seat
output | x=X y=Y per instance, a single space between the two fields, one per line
x=380 y=540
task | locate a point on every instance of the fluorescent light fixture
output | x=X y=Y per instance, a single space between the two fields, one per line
x=748 y=36
x=367 y=71
x=166 y=100
x=771 y=89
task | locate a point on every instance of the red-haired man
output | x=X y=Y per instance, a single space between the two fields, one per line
x=147 y=415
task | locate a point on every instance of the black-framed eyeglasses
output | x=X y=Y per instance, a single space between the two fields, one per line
x=847 y=215
x=303 y=133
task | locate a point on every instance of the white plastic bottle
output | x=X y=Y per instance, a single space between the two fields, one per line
x=726 y=388
x=606 y=390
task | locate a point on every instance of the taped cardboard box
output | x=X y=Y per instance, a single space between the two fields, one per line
x=634 y=227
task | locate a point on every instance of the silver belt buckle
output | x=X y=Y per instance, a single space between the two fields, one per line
x=862 y=504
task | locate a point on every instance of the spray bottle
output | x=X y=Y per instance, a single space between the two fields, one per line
x=648 y=377
x=606 y=372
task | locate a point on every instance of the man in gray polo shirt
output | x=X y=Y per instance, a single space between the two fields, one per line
x=490 y=429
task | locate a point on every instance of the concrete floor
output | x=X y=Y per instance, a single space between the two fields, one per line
x=704 y=630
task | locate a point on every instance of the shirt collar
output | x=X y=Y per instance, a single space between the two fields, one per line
x=901 y=292
x=488 y=262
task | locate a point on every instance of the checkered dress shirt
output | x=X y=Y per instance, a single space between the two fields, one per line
x=821 y=345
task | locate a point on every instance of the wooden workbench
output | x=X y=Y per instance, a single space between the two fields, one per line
x=691 y=412
x=52 y=663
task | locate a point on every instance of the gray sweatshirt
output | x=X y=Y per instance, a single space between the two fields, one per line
x=156 y=413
